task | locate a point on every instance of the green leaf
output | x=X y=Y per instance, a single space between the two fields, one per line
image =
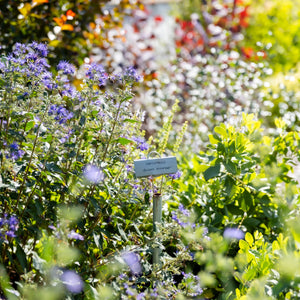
x=52 y=167
x=29 y=125
x=122 y=233
x=221 y=130
x=123 y=141
x=243 y=245
x=230 y=167
x=213 y=139
x=212 y=172
x=249 y=239
x=82 y=120
x=198 y=167
x=21 y=258
x=131 y=121
x=234 y=210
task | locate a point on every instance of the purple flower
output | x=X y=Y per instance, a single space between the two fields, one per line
x=133 y=262
x=93 y=174
x=67 y=68
x=72 y=281
x=132 y=73
x=62 y=115
x=233 y=234
x=141 y=144
x=96 y=72
x=47 y=80
x=75 y=236
x=40 y=48
x=140 y=296
x=176 y=175
x=183 y=210
x=14 y=152
x=176 y=219
x=8 y=226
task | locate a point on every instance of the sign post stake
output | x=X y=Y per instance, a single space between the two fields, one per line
x=156 y=167
x=157 y=217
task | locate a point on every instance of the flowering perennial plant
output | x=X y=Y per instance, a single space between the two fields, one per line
x=66 y=157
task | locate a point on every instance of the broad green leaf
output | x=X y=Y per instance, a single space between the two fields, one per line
x=122 y=233
x=249 y=239
x=230 y=167
x=243 y=245
x=29 y=125
x=214 y=139
x=212 y=172
x=198 y=167
x=53 y=167
x=21 y=258
x=221 y=130
x=123 y=141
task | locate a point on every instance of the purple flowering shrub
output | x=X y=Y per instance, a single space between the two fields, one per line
x=71 y=206
x=63 y=146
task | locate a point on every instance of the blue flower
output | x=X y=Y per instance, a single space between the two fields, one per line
x=183 y=210
x=40 y=48
x=14 y=152
x=62 y=115
x=176 y=175
x=8 y=226
x=75 y=236
x=133 y=262
x=132 y=74
x=93 y=174
x=67 y=68
x=72 y=281
x=96 y=72
x=141 y=143
x=233 y=234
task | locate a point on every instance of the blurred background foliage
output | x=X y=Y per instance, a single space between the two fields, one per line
x=275 y=28
x=66 y=26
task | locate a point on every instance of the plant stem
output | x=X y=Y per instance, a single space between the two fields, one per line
x=31 y=157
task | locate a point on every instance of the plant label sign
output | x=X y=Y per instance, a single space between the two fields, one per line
x=155 y=166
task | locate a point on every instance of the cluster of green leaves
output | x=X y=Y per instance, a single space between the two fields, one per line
x=274 y=28
x=245 y=180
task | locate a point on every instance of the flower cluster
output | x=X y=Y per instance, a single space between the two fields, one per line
x=15 y=152
x=66 y=68
x=8 y=226
x=176 y=175
x=62 y=115
x=182 y=216
x=141 y=143
x=132 y=74
x=133 y=262
x=97 y=73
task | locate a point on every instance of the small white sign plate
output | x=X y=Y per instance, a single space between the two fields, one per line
x=155 y=166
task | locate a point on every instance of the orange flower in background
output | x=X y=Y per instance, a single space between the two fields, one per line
x=36 y=2
x=70 y=14
x=61 y=22
x=248 y=52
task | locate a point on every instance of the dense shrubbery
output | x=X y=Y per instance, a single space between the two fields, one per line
x=75 y=223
